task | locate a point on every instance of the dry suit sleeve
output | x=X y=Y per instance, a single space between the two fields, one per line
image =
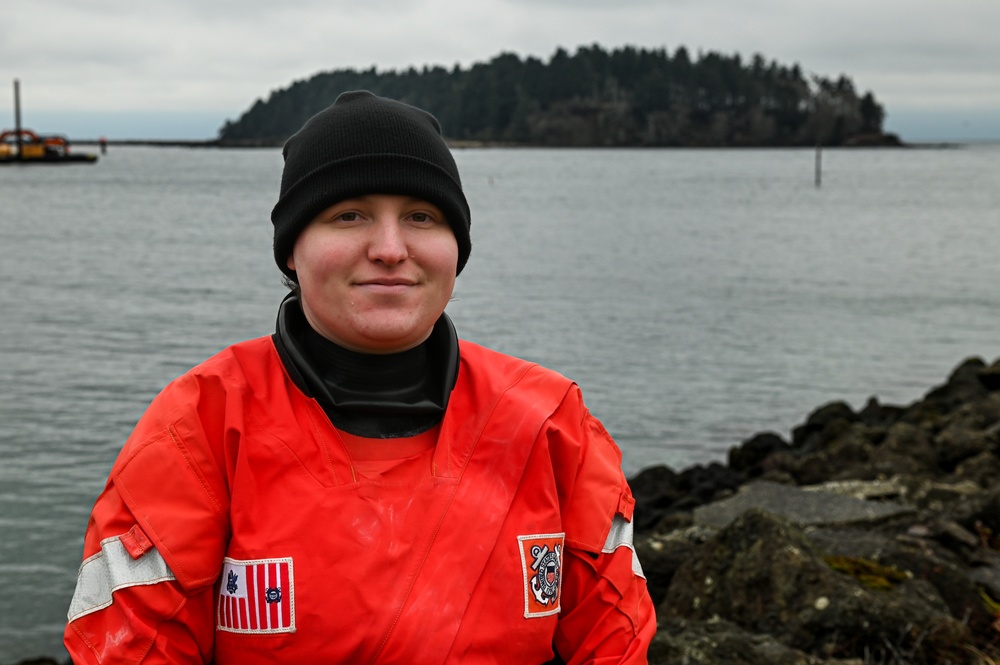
x=607 y=615
x=153 y=548
x=128 y=605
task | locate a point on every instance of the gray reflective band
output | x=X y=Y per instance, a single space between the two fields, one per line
x=621 y=536
x=112 y=569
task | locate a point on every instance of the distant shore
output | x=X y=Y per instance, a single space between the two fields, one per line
x=160 y=143
x=216 y=143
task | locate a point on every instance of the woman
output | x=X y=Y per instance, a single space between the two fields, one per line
x=361 y=486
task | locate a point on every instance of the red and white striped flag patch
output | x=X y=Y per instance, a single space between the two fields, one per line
x=256 y=597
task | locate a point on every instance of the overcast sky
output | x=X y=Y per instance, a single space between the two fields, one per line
x=181 y=68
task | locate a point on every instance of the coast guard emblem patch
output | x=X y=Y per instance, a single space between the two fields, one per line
x=256 y=597
x=541 y=568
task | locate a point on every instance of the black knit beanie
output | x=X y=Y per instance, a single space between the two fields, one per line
x=360 y=145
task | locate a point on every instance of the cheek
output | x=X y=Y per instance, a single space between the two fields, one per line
x=445 y=257
x=317 y=260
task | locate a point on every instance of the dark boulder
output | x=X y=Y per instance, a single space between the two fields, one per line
x=990 y=376
x=655 y=490
x=766 y=576
x=717 y=641
x=822 y=424
x=747 y=458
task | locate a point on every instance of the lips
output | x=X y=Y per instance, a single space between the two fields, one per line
x=386 y=281
x=394 y=287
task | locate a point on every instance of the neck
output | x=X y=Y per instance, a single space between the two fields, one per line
x=373 y=395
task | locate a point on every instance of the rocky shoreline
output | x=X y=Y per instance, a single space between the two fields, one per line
x=871 y=537
x=868 y=538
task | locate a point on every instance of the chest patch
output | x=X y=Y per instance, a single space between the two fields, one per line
x=256 y=596
x=541 y=568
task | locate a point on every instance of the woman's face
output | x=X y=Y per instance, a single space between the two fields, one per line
x=376 y=271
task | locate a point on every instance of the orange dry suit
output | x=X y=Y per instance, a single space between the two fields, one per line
x=236 y=528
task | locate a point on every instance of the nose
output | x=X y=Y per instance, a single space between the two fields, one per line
x=388 y=242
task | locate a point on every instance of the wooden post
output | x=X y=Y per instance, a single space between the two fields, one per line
x=17 y=118
x=819 y=164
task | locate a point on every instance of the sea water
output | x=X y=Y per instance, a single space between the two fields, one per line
x=697 y=297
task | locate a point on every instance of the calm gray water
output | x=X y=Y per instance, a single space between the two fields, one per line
x=698 y=297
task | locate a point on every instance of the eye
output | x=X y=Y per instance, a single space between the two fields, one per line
x=346 y=217
x=425 y=218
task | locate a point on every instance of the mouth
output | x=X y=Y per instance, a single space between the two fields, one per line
x=388 y=282
x=386 y=286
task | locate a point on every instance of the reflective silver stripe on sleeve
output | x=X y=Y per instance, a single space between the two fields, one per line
x=112 y=569
x=621 y=536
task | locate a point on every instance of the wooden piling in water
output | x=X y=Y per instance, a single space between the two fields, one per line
x=17 y=119
x=819 y=165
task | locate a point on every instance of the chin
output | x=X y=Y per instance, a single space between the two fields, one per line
x=389 y=340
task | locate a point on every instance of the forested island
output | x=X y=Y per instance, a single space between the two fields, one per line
x=626 y=97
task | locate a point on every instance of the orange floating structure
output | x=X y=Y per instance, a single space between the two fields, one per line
x=23 y=146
